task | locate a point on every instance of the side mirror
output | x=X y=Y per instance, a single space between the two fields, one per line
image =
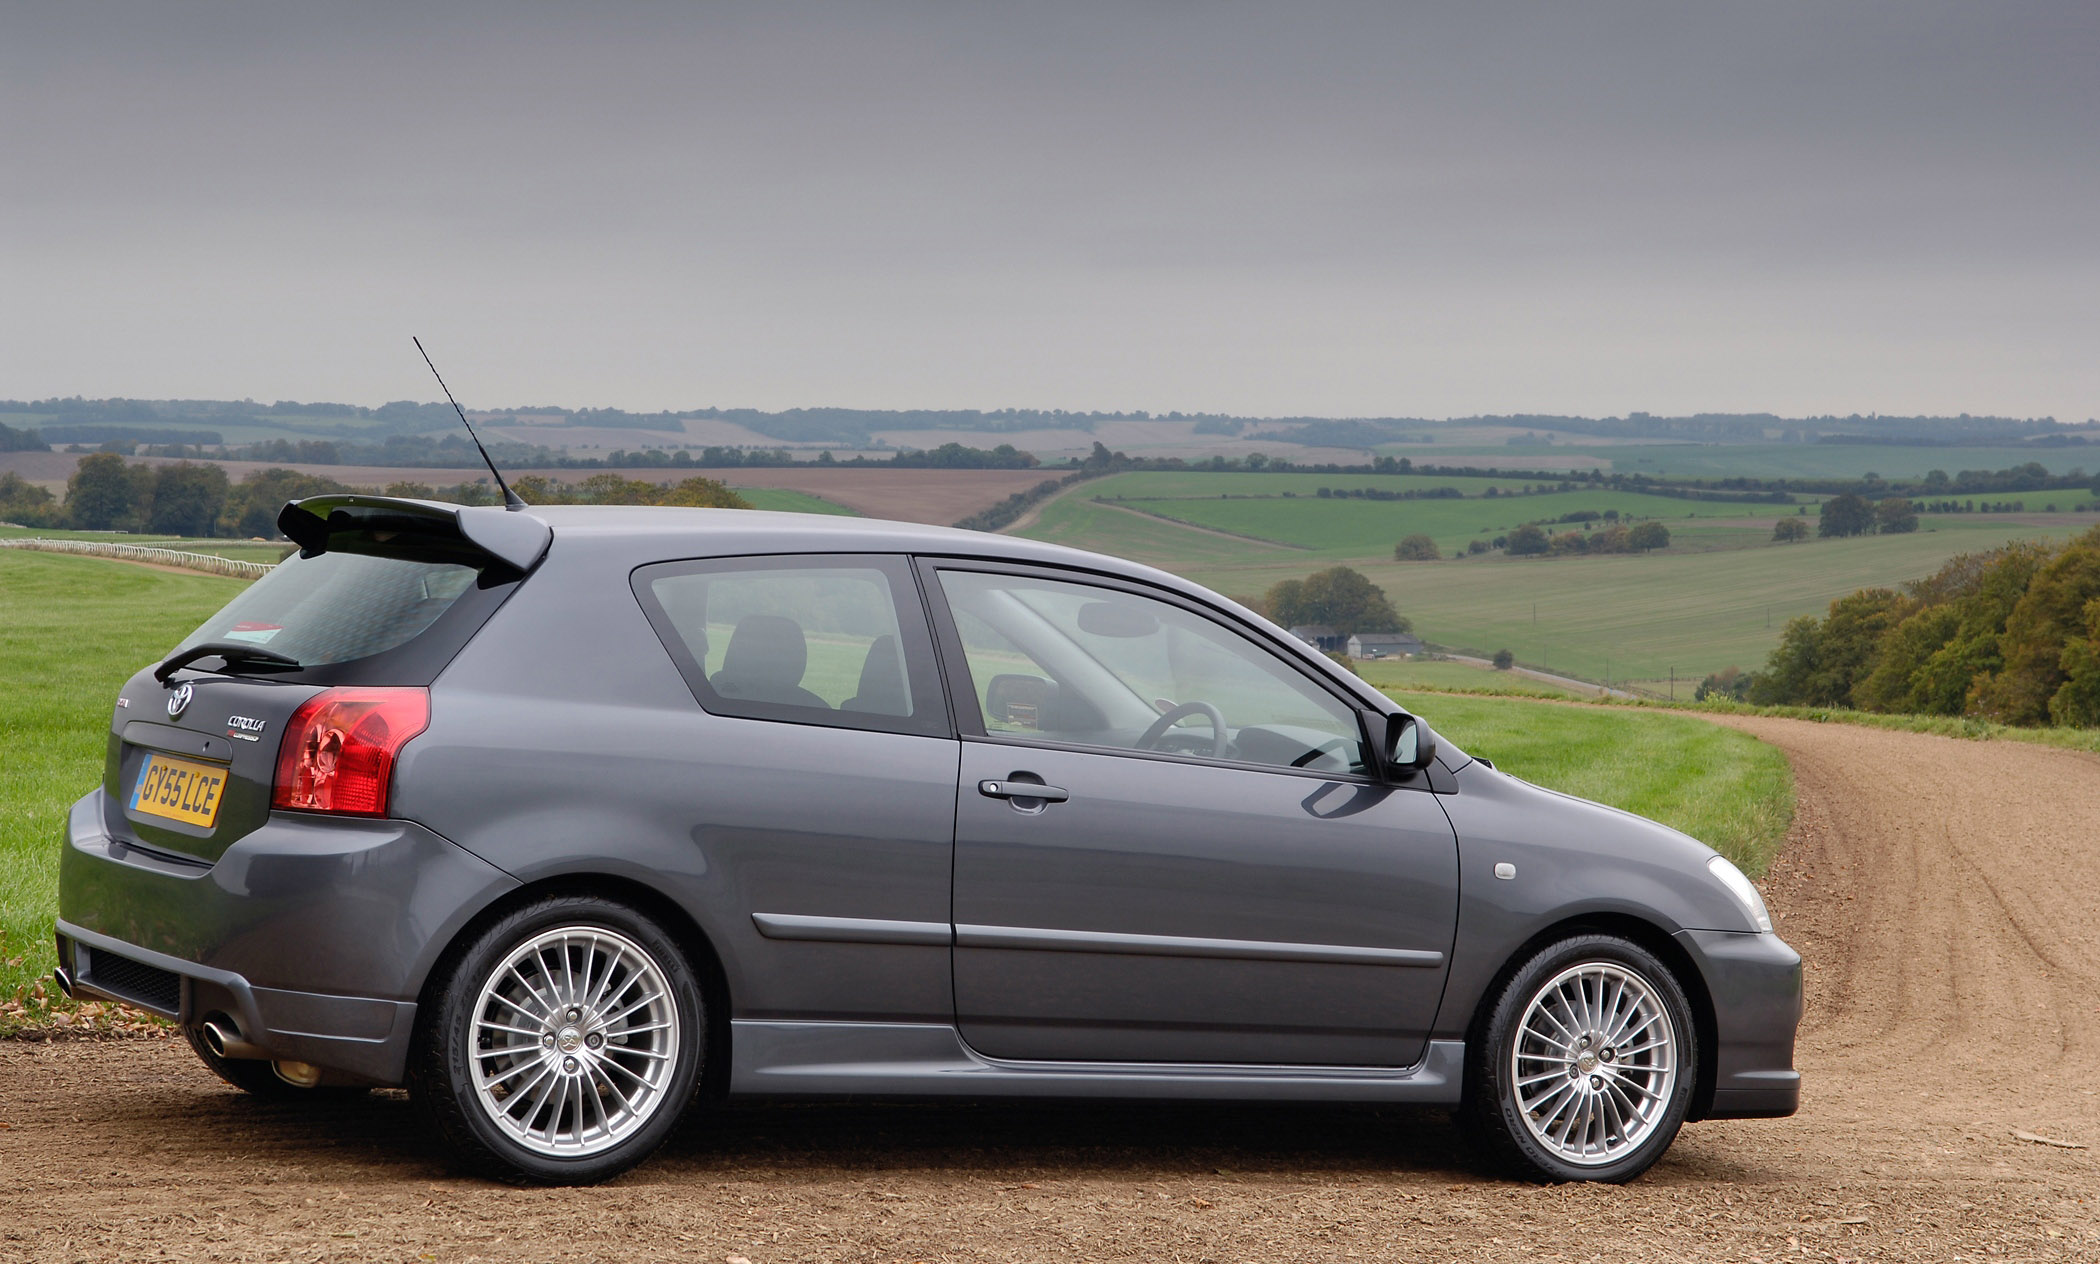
x=1404 y=743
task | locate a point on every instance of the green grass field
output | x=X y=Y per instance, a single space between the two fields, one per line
x=1145 y=484
x=1369 y=528
x=1637 y=616
x=1723 y=787
x=245 y=550
x=1719 y=596
x=1762 y=460
x=785 y=500
x=73 y=629
x=1443 y=676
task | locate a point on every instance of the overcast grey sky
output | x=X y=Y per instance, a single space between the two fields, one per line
x=1271 y=209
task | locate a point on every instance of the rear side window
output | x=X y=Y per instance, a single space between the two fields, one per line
x=379 y=611
x=840 y=641
x=339 y=607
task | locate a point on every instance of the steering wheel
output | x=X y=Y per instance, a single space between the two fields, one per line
x=1149 y=739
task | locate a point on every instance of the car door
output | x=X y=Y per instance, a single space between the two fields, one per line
x=820 y=777
x=1210 y=873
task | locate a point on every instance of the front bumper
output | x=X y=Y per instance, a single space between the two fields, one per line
x=1755 y=984
x=313 y=934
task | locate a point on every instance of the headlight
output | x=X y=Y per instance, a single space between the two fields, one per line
x=1744 y=893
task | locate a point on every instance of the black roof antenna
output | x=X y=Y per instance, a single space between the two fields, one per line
x=510 y=498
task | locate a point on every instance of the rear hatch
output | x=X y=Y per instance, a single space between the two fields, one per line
x=381 y=596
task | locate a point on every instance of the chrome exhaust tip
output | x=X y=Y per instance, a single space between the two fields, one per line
x=64 y=978
x=225 y=1040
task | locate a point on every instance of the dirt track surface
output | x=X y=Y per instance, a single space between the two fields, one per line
x=1946 y=895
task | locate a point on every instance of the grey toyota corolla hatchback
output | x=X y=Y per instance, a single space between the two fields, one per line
x=561 y=816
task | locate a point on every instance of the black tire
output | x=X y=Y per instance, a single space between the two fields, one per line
x=1609 y=1110
x=261 y=1079
x=590 y=1053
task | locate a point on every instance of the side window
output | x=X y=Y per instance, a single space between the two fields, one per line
x=813 y=640
x=1095 y=666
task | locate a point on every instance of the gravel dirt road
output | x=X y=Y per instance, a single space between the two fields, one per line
x=1946 y=895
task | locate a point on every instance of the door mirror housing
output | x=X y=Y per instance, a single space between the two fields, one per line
x=1404 y=744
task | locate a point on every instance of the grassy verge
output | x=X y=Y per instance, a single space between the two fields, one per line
x=72 y=630
x=1443 y=676
x=1724 y=788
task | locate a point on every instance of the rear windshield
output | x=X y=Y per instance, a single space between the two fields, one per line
x=339 y=607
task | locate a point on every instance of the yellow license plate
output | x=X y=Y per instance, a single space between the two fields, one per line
x=179 y=790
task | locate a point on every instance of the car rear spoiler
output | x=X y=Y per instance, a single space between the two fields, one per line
x=517 y=540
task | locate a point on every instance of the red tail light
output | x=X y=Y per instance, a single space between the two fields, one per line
x=339 y=748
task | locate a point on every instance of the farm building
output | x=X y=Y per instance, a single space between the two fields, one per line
x=1384 y=645
x=1319 y=636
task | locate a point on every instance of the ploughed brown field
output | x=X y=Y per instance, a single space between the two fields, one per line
x=933 y=496
x=1942 y=892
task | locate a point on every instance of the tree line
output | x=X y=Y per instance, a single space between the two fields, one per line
x=2011 y=635
x=198 y=500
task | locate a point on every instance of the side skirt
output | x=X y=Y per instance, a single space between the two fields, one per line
x=931 y=1060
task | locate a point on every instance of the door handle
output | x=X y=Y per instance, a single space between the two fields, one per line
x=1021 y=790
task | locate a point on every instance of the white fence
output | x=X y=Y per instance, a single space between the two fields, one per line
x=144 y=553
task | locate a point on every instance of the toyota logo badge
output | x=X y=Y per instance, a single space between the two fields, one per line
x=178 y=701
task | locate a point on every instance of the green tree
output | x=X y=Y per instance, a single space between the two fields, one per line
x=2077 y=701
x=1791 y=665
x=1818 y=665
x=1649 y=535
x=1929 y=664
x=2049 y=615
x=1845 y=515
x=1504 y=660
x=1528 y=540
x=1614 y=538
x=1285 y=602
x=1730 y=684
x=252 y=505
x=1416 y=548
x=12 y=440
x=1788 y=530
x=102 y=494
x=703 y=493
x=1895 y=516
x=26 y=504
x=1338 y=597
x=187 y=499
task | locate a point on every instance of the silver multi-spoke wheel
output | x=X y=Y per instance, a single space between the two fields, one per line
x=575 y=1039
x=1594 y=1063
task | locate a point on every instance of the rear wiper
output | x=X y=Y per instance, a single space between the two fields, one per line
x=232 y=651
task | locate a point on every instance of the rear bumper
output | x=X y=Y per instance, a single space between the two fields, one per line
x=360 y=1036
x=313 y=934
x=1755 y=983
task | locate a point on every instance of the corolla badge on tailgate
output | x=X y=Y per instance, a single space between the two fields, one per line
x=179 y=701
x=242 y=727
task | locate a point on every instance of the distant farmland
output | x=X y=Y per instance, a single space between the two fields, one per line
x=1359 y=528
x=1636 y=616
x=1718 y=597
